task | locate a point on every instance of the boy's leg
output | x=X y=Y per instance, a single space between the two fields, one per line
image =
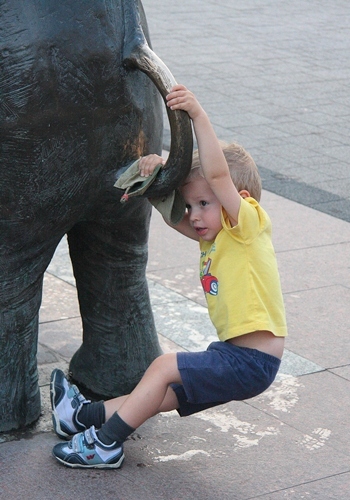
x=151 y=396
x=72 y=413
x=104 y=449
x=169 y=403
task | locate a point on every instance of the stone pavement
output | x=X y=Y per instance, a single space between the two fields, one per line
x=273 y=76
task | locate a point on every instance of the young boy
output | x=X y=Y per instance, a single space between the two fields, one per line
x=244 y=301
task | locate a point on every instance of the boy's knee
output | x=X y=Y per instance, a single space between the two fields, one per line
x=164 y=360
x=165 y=364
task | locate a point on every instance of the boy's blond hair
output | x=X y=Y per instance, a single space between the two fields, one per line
x=243 y=170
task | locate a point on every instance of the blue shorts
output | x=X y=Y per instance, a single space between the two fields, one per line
x=222 y=373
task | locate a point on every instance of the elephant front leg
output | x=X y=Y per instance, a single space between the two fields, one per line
x=19 y=391
x=22 y=267
x=119 y=337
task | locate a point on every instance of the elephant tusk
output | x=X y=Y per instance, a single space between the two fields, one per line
x=139 y=55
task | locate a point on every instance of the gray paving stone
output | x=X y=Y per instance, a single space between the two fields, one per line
x=331 y=488
x=303 y=403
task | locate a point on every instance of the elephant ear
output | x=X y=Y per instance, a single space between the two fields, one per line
x=138 y=55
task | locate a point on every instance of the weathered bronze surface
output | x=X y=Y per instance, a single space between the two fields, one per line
x=78 y=103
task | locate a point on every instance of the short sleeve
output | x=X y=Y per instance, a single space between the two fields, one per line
x=252 y=221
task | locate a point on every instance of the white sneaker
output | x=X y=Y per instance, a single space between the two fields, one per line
x=66 y=402
x=86 y=451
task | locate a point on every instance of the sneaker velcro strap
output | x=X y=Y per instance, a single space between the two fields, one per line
x=90 y=435
x=78 y=397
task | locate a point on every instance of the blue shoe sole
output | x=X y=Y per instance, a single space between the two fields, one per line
x=116 y=465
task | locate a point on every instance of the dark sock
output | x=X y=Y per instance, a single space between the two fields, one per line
x=114 y=430
x=92 y=414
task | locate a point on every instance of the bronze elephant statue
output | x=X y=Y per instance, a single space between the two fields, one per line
x=80 y=99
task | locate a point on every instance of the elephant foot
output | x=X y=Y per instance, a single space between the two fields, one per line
x=18 y=411
x=20 y=403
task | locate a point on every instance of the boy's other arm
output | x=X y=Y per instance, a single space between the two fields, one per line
x=184 y=227
x=215 y=168
x=148 y=164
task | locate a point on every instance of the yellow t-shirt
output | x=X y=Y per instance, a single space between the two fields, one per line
x=240 y=278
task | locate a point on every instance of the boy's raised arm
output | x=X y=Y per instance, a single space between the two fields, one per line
x=212 y=159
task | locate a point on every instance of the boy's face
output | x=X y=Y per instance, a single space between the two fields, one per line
x=203 y=208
